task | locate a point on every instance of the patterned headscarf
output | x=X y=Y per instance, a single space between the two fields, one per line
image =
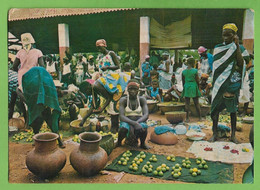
x=230 y=26
x=101 y=43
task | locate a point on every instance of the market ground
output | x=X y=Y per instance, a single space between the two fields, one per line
x=18 y=172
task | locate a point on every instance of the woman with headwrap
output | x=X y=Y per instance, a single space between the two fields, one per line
x=230 y=60
x=133 y=112
x=112 y=83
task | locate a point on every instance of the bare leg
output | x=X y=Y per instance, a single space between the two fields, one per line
x=214 y=118
x=11 y=105
x=121 y=135
x=244 y=109
x=187 y=108
x=47 y=116
x=197 y=106
x=143 y=136
x=233 y=127
x=114 y=123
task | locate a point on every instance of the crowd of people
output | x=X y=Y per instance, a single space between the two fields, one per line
x=49 y=86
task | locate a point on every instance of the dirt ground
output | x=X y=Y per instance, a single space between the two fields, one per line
x=18 y=172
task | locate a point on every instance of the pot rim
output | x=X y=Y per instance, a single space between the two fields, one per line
x=91 y=133
x=55 y=136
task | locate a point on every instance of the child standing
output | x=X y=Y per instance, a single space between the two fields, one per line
x=190 y=80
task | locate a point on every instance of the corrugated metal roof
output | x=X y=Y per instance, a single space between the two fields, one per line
x=36 y=13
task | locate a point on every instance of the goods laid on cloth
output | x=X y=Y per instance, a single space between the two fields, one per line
x=215 y=173
x=226 y=152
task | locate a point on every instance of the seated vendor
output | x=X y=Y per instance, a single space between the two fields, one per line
x=204 y=86
x=70 y=101
x=133 y=113
x=154 y=91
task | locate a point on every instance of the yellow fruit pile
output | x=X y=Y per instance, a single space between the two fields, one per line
x=176 y=171
x=76 y=138
x=137 y=161
x=147 y=168
x=153 y=158
x=161 y=169
x=115 y=136
x=125 y=158
x=194 y=172
x=171 y=158
x=186 y=163
x=27 y=136
x=202 y=164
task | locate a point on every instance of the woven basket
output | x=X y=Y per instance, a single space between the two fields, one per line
x=107 y=143
x=175 y=116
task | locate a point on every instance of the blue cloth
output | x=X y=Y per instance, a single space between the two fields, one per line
x=222 y=127
x=146 y=68
x=40 y=92
x=163 y=129
x=127 y=126
x=195 y=128
x=153 y=93
x=210 y=60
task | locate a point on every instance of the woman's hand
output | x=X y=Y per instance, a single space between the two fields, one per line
x=104 y=68
x=236 y=39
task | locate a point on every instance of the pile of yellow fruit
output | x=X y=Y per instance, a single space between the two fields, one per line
x=176 y=171
x=147 y=168
x=153 y=158
x=24 y=135
x=171 y=158
x=186 y=163
x=160 y=169
x=202 y=164
x=125 y=158
x=194 y=172
x=115 y=136
x=137 y=161
x=76 y=138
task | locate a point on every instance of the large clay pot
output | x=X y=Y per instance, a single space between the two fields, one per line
x=46 y=159
x=164 y=139
x=170 y=106
x=88 y=159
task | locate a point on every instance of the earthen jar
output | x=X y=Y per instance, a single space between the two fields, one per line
x=167 y=138
x=88 y=158
x=46 y=159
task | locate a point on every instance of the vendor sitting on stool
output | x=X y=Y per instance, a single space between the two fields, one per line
x=133 y=113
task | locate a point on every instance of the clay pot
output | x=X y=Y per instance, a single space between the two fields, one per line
x=164 y=139
x=152 y=106
x=88 y=159
x=175 y=116
x=16 y=122
x=46 y=159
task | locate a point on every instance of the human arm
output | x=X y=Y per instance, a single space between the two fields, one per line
x=239 y=57
x=41 y=62
x=16 y=64
x=197 y=78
